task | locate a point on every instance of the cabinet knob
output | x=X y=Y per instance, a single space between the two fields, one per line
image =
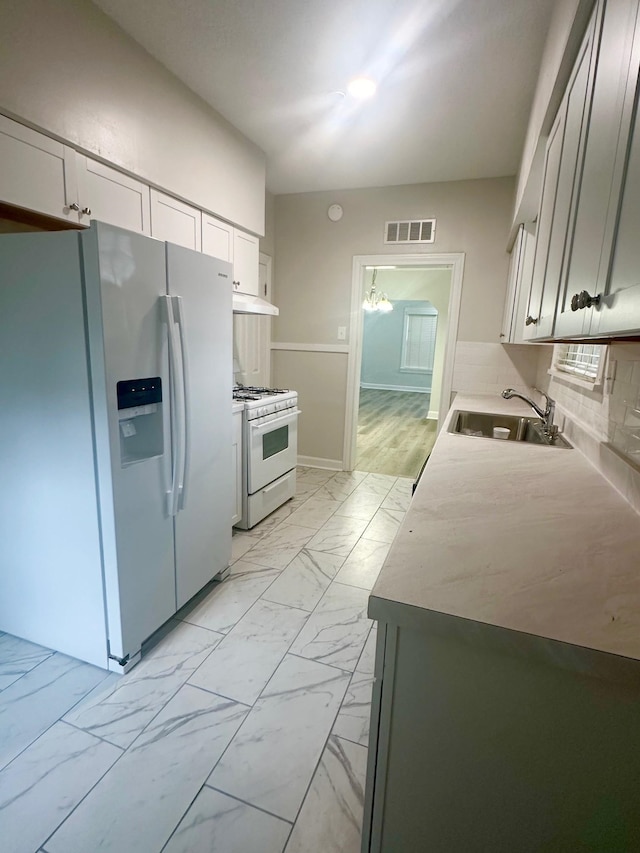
x=583 y=300
x=87 y=211
x=531 y=321
x=74 y=206
x=236 y=284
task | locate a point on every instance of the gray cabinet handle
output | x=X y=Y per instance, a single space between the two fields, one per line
x=74 y=206
x=583 y=300
x=531 y=321
x=87 y=211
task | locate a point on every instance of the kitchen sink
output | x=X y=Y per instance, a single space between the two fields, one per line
x=482 y=425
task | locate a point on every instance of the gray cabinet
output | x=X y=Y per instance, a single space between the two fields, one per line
x=559 y=191
x=518 y=285
x=619 y=309
x=484 y=739
x=585 y=282
x=591 y=240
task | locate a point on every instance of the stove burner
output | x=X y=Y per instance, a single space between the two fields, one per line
x=242 y=395
x=252 y=393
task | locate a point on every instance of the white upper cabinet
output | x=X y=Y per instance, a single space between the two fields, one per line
x=175 y=221
x=36 y=172
x=518 y=285
x=217 y=238
x=111 y=196
x=239 y=248
x=246 y=251
x=563 y=156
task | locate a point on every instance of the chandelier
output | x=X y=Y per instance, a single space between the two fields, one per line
x=374 y=301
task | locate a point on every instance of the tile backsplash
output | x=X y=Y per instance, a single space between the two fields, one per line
x=604 y=424
x=487 y=368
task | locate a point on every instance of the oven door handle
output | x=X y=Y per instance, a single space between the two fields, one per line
x=267 y=426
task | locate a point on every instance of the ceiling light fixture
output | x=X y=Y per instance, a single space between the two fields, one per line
x=361 y=88
x=374 y=301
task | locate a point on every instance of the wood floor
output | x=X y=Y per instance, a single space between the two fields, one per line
x=394 y=436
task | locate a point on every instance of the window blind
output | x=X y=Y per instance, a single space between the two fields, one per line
x=581 y=360
x=419 y=343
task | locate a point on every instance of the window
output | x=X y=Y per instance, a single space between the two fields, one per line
x=582 y=364
x=419 y=339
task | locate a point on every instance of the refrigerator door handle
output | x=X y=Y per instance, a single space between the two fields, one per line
x=186 y=421
x=176 y=426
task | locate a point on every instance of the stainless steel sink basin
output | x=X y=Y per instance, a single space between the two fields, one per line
x=482 y=424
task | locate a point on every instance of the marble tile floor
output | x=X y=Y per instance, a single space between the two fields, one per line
x=245 y=725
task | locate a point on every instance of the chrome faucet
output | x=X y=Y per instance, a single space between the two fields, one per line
x=545 y=415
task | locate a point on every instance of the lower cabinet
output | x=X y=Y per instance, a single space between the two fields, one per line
x=236 y=461
x=483 y=739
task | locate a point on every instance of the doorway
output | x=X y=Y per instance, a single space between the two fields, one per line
x=400 y=361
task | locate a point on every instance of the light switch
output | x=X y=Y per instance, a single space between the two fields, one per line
x=342 y=333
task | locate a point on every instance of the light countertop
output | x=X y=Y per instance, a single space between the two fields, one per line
x=517 y=536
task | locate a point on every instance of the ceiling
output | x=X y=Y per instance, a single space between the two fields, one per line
x=455 y=81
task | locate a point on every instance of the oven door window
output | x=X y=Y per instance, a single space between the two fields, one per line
x=275 y=442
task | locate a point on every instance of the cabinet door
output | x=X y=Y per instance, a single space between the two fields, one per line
x=217 y=238
x=111 y=196
x=590 y=244
x=566 y=146
x=36 y=173
x=236 y=462
x=175 y=222
x=519 y=283
x=545 y=223
x=246 y=250
x=619 y=308
x=509 y=304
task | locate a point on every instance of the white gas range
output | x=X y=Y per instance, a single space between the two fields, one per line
x=270 y=450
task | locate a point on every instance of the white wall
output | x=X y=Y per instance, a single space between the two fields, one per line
x=68 y=69
x=432 y=284
x=382 y=341
x=314 y=269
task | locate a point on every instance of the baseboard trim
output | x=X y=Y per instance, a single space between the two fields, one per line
x=416 y=389
x=433 y=415
x=318 y=462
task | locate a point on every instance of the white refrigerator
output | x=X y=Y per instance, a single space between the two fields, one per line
x=115 y=436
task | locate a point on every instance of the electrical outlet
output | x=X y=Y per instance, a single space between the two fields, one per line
x=342 y=333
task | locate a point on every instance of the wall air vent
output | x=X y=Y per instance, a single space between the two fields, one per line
x=410 y=231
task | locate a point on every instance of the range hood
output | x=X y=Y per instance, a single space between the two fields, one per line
x=243 y=303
